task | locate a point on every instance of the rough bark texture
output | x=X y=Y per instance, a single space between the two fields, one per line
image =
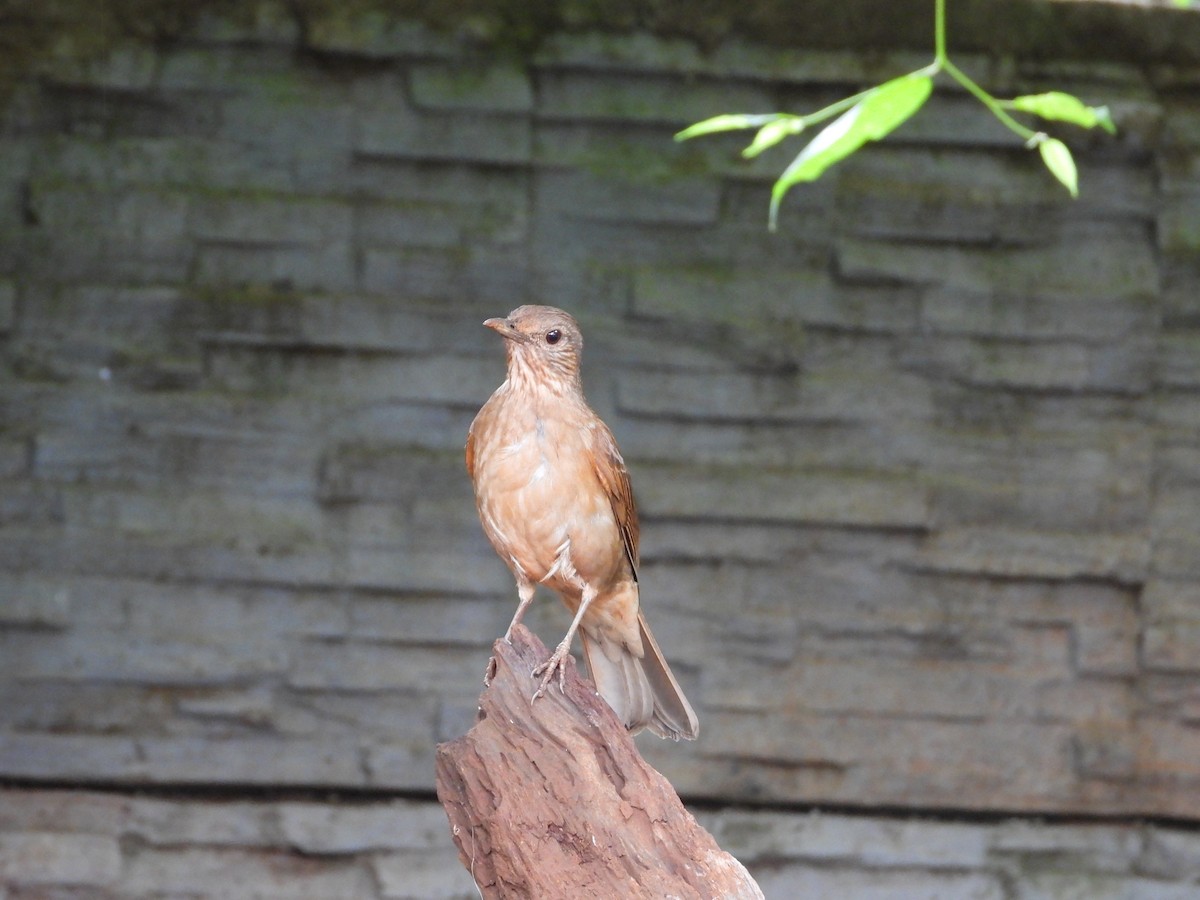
x=552 y=799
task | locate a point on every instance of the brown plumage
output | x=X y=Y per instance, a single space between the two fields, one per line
x=554 y=499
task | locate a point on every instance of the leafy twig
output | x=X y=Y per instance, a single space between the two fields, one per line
x=873 y=114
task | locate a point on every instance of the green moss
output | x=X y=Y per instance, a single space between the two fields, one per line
x=253 y=295
x=640 y=163
x=36 y=32
x=83 y=29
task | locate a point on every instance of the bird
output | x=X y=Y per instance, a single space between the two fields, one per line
x=554 y=498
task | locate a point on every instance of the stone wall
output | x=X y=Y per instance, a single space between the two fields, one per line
x=80 y=844
x=919 y=474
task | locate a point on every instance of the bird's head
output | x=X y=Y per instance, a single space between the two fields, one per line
x=544 y=343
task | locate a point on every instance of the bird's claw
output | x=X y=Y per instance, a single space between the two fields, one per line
x=489 y=672
x=557 y=662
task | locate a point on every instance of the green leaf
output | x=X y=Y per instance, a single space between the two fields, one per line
x=1061 y=107
x=1104 y=119
x=727 y=123
x=875 y=116
x=1061 y=164
x=772 y=133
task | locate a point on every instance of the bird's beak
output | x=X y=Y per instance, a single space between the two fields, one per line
x=506 y=330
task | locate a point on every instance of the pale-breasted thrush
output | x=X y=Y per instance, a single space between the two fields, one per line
x=554 y=499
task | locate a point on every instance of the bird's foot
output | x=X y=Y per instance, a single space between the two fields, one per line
x=556 y=662
x=490 y=672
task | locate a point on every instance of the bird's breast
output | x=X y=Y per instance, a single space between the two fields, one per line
x=537 y=491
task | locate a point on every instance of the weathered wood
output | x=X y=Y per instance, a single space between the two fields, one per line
x=552 y=799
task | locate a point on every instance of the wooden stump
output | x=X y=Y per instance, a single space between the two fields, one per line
x=552 y=799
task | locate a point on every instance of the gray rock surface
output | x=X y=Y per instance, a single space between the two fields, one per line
x=918 y=473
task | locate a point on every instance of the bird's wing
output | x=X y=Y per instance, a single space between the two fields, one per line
x=470 y=452
x=614 y=478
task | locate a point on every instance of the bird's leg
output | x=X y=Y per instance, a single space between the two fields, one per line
x=559 y=656
x=525 y=592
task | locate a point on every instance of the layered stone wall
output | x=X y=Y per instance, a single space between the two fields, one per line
x=919 y=474
x=79 y=844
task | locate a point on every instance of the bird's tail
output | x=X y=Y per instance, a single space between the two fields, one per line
x=642 y=691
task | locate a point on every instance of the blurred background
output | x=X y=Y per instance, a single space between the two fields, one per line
x=919 y=474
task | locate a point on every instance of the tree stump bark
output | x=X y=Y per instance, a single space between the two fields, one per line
x=552 y=799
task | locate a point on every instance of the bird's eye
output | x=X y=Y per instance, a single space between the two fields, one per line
x=553 y=336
